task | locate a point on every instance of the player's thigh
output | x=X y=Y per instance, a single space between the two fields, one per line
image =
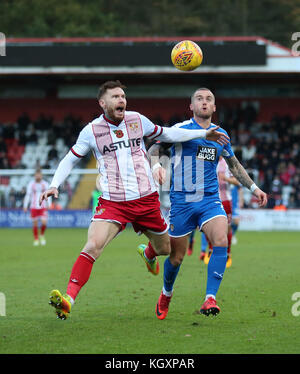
x=44 y=221
x=216 y=231
x=100 y=233
x=160 y=242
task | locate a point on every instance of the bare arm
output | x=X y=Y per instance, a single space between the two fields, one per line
x=242 y=176
x=239 y=172
x=159 y=173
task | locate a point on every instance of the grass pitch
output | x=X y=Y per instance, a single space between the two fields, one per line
x=114 y=312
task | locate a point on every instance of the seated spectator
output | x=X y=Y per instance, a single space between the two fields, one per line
x=23 y=122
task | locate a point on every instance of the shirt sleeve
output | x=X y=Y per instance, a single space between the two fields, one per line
x=227 y=151
x=170 y=134
x=82 y=145
x=64 y=169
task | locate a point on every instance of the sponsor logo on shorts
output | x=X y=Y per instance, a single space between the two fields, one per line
x=100 y=211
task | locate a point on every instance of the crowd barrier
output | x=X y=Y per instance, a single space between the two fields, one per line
x=250 y=219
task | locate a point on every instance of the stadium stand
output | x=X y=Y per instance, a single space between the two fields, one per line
x=33 y=147
x=270 y=151
x=257 y=103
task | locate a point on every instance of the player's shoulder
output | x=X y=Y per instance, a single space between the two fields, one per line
x=184 y=124
x=221 y=129
x=87 y=129
x=131 y=114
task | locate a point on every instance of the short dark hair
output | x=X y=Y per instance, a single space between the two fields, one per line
x=107 y=86
x=202 y=89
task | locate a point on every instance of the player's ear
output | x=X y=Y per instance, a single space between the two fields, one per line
x=191 y=107
x=102 y=103
x=215 y=108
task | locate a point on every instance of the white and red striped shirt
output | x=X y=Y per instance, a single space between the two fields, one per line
x=224 y=186
x=121 y=154
x=33 y=192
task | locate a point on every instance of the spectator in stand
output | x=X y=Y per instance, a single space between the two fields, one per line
x=32 y=137
x=23 y=122
x=3 y=146
x=249 y=151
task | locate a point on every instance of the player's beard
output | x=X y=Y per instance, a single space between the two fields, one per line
x=114 y=115
x=204 y=115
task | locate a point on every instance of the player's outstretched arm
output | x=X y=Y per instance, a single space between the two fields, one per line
x=180 y=135
x=243 y=177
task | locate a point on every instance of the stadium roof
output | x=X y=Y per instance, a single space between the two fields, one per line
x=134 y=55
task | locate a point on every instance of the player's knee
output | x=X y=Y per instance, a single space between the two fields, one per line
x=164 y=249
x=220 y=241
x=93 y=248
x=177 y=260
x=176 y=257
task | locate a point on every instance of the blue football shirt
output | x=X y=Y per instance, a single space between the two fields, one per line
x=194 y=166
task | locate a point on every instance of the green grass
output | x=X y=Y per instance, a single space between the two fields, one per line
x=114 y=312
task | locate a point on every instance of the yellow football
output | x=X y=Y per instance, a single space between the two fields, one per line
x=186 y=55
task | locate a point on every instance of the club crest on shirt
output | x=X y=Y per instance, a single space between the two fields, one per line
x=119 y=133
x=207 y=153
x=134 y=126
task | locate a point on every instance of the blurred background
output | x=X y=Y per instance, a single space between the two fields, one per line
x=55 y=55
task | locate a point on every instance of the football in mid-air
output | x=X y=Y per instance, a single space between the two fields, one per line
x=186 y=55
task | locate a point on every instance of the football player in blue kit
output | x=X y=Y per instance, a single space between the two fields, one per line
x=195 y=201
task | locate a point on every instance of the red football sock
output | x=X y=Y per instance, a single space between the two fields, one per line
x=80 y=274
x=35 y=232
x=43 y=229
x=150 y=252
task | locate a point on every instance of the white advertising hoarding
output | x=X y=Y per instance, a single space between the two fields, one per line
x=269 y=220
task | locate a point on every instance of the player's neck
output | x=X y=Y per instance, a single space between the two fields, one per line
x=110 y=120
x=203 y=122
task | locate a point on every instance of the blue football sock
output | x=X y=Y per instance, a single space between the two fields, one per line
x=215 y=269
x=234 y=227
x=170 y=274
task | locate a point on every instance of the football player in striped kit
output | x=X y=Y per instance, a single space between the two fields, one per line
x=37 y=212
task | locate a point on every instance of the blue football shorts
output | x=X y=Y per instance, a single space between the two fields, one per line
x=187 y=216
